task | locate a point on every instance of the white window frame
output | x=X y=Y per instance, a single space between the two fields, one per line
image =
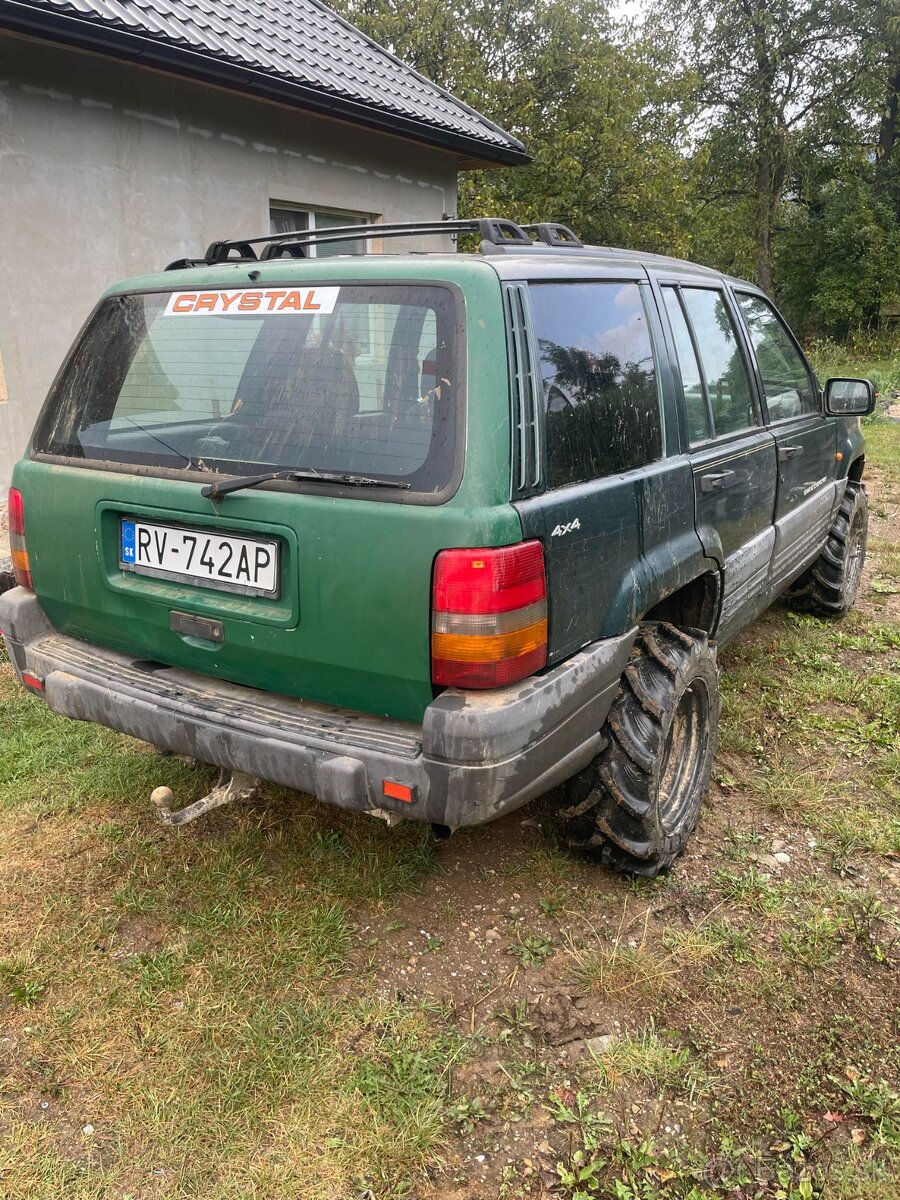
x=323 y=210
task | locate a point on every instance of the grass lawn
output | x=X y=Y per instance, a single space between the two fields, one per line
x=284 y=1001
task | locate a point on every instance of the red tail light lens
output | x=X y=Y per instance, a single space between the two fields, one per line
x=489 y=616
x=21 y=564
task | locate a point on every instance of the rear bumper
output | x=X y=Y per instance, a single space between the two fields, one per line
x=476 y=755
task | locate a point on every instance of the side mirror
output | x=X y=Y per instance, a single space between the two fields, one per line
x=849 y=397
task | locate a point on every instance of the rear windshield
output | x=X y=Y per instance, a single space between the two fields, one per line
x=358 y=379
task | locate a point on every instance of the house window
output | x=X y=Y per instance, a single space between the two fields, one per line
x=284 y=218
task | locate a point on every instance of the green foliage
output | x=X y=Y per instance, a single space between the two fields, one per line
x=877 y=1102
x=597 y=107
x=532 y=950
x=838 y=258
x=18 y=983
x=872 y=355
x=581 y=1175
x=759 y=136
x=467 y=1113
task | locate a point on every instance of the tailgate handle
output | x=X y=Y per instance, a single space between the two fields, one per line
x=712 y=483
x=199 y=627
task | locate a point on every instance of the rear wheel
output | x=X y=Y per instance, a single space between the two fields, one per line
x=829 y=587
x=637 y=804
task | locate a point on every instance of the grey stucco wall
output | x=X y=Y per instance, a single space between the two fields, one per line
x=109 y=170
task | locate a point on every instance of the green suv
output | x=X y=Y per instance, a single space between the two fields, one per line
x=429 y=535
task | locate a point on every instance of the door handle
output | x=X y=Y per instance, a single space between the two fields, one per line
x=712 y=483
x=786 y=452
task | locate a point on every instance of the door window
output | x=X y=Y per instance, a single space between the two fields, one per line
x=724 y=372
x=699 y=422
x=601 y=397
x=785 y=377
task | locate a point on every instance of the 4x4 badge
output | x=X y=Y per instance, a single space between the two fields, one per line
x=562 y=530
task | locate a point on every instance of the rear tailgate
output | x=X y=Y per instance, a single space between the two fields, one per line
x=350 y=623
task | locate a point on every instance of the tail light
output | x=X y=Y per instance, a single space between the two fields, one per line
x=21 y=564
x=489 y=615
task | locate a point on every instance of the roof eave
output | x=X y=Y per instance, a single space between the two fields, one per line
x=116 y=43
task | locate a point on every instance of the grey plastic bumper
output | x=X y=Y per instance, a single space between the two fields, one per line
x=475 y=756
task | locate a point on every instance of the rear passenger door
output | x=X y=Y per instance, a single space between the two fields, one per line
x=732 y=455
x=805 y=437
x=615 y=513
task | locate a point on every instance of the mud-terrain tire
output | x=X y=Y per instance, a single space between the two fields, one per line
x=637 y=804
x=828 y=588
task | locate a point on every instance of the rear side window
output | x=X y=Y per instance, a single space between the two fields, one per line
x=349 y=379
x=600 y=389
x=785 y=377
x=724 y=372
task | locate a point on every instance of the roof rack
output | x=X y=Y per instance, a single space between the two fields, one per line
x=496 y=233
x=551 y=233
x=493 y=231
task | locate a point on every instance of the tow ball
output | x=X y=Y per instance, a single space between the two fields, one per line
x=232 y=786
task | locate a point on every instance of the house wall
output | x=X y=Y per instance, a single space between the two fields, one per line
x=109 y=170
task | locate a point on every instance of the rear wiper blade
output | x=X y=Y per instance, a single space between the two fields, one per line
x=222 y=487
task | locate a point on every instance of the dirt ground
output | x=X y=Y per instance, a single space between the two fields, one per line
x=474 y=941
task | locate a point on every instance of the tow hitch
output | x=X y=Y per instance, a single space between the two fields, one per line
x=232 y=786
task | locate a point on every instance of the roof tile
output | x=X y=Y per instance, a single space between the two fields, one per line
x=296 y=41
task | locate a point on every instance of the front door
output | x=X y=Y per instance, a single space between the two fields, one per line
x=732 y=455
x=805 y=438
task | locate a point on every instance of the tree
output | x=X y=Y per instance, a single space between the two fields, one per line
x=885 y=42
x=759 y=136
x=838 y=234
x=837 y=258
x=596 y=110
x=768 y=70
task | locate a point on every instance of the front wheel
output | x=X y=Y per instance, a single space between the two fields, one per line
x=637 y=804
x=828 y=588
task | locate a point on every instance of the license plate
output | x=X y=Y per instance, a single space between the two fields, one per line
x=212 y=560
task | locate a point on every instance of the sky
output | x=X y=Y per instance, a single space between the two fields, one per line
x=627 y=9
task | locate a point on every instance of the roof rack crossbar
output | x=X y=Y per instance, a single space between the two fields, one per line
x=495 y=230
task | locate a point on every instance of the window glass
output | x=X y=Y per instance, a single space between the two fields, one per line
x=602 y=404
x=696 y=411
x=284 y=219
x=723 y=367
x=786 y=382
x=326 y=221
x=365 y=386
x=374 y=332
x=168 y=375
x=288 y=220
